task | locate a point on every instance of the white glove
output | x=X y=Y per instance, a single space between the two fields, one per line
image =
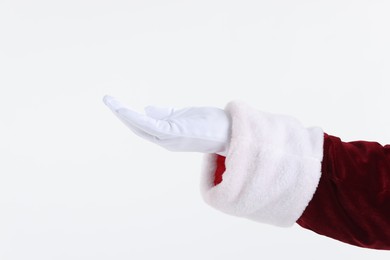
x=191 y=129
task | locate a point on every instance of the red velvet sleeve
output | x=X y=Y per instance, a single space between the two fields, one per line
x=352 y=200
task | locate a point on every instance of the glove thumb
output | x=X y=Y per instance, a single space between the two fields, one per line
x=157 y=112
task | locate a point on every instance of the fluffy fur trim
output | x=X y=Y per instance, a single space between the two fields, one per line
x=273 y=166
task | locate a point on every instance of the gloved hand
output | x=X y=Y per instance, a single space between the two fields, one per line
x=191 y=129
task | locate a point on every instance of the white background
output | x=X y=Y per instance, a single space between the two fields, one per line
x=75 y=183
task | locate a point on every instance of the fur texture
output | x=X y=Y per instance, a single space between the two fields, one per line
x=273 y=166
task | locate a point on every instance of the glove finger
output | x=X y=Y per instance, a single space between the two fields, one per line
x=157 y=112
x=112 y=103
x=158 y=128
x=164 y=143
x=138 y=131
x=147 y=124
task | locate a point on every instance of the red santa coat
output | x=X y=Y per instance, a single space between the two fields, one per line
x=279 y=172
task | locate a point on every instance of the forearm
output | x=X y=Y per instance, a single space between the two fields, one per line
x=279 y=172
x=352 y=200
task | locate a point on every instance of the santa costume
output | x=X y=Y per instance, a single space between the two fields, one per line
x=271 y=169
x=278 y=172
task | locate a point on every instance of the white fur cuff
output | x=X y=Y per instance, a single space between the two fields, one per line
x=273 y=166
